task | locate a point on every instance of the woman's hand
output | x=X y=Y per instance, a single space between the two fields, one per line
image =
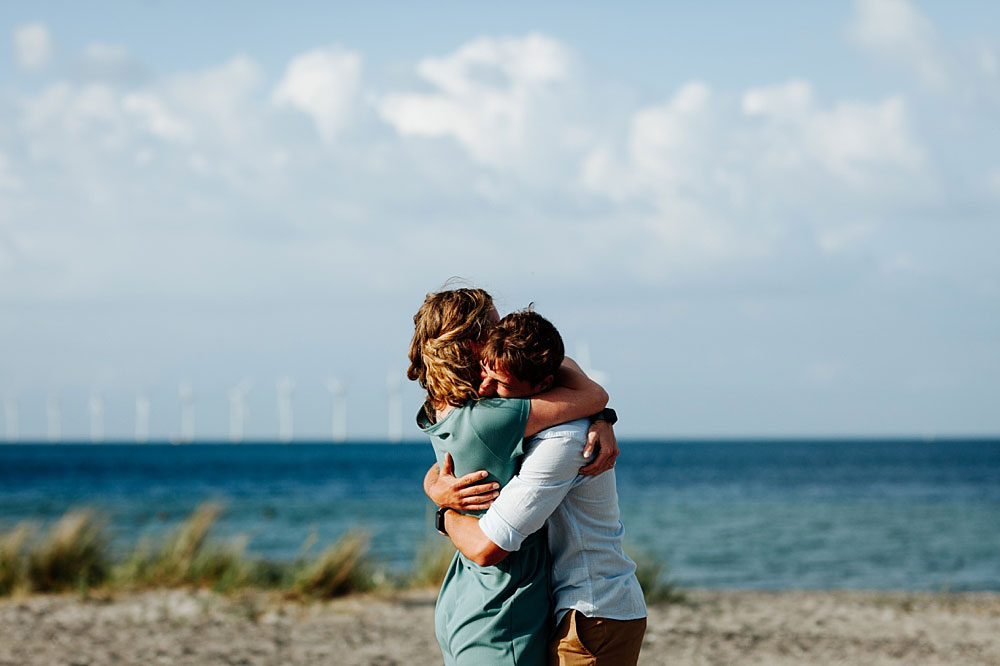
x=464 y=494
x=600 y=437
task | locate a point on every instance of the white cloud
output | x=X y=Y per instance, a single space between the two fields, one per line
x=213 y=104
x=72 y=110
x=665 y=142
x=897 y=31
x=713 y=177
x=699 y=146
x=221 y=98
x=156 y=117
x=688 y=184
x=488 y=92
x=323 y=84
x=32 y=45
x=848 y=139
x=791 y=100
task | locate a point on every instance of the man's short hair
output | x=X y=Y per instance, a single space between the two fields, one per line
x=526 y=345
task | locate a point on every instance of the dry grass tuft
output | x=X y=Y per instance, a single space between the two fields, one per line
x=73 y=554
x=433 y=559
x=656 y=585
x=341 y=569
x=187 y=557
x=13 y=568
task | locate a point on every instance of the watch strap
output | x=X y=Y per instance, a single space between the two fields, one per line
x=439 y=519
x=606 y=414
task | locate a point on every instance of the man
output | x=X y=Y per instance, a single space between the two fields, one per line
x=599 y=607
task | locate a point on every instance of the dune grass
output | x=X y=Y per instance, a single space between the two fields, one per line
x=74 y=554
x=341 y=569
x=434 y=556
x=653 y=575
x=12 y=558
x=188 y=557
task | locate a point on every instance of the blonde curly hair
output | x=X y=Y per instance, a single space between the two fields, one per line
x=442 y=357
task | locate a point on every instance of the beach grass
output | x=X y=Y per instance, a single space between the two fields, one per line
x=75 y=554
x=72 y=555
x=188 y=557
x=12 y=558
x=341 y=569
x=434 y=556
x=653 y=575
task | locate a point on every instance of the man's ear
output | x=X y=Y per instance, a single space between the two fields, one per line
x=547 y=383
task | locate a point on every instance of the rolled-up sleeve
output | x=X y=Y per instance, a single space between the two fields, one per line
x=548 y=472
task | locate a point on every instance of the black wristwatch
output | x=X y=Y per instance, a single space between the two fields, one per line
x=606 y=414
x=439 y=519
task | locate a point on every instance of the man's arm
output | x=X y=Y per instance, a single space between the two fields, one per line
x=574 y=396
x=468 y=537
x=600 y=437
x=546 y=476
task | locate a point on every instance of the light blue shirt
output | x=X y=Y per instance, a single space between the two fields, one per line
x=590 y=571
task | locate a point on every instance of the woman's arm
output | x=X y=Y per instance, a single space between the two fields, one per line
x=574 y=396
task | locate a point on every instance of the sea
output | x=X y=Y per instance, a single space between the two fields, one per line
x=740 y=514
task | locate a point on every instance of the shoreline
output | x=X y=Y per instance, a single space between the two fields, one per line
x=199 y=627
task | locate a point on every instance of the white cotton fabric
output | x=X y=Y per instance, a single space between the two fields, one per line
x=590 y=571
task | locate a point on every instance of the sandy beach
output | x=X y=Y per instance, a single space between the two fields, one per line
x=712 y=627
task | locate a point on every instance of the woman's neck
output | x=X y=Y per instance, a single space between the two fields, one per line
x=437 y=410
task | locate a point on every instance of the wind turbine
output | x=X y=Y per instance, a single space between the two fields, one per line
x=238 y=410
x=53 y=418
x=338 y=423
x=187 y=412
x=10 y=417
x=393 y=383
x=583 y=359
x=141 y=418
x=96 y=417
x=286 y=388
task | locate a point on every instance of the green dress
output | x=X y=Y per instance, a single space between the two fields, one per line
x=497 y=615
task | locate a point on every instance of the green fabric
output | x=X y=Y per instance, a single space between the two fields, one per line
x=484 y=434
x=498 y=615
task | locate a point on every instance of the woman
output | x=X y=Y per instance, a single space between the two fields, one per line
x=487 y=614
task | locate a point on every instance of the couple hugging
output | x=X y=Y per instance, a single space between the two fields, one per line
x=540 y=576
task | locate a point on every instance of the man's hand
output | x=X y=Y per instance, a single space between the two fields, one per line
x=464 y=494
x=600 y=437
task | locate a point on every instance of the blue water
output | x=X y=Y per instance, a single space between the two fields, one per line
x=749 y=514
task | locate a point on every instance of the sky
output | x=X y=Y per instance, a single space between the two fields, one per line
x=772 y=219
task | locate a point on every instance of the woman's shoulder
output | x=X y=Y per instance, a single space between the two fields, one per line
x=498 y=414
x=488 y=415
x=485 y=406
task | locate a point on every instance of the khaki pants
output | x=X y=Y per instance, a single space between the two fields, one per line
x=596 y=641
